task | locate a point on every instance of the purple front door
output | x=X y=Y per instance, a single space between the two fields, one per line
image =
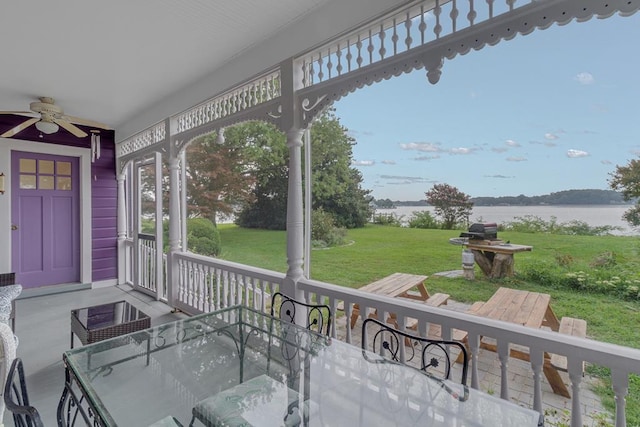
x=45 y=218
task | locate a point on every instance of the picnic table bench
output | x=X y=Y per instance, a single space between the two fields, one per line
x=395 y=285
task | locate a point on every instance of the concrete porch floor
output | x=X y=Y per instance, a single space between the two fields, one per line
x=43 y=328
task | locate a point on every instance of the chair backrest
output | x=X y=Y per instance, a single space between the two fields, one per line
x=436 y=357
x=16 y=398
x=318 y=316
x=7 y=355
x=7 y=279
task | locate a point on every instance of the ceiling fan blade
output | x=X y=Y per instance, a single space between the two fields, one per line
x=85 y=122
x=22 y=126
x=71 y=128
x=21 y=113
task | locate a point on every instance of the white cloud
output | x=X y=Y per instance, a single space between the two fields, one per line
x=550 y=136
x=499 y=149
x=606 y=162
x=516 y=159
x=511 y=143
x=576 y=153
x=423 y=158
x=427 y=147
x=462 y=151
x=388 y=162
x=363 y=163
x=399 y=179
x=585 y=78
x=499 y=176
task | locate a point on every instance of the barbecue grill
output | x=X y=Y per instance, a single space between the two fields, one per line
x=482 y=231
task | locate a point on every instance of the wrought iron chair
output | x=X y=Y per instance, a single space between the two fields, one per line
x=318 y=315
x=435 y=355
x=17 y=400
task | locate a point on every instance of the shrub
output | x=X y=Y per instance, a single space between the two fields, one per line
x=564 y=260
x=604 y=260
x=535 y=224
x=388 y=219
x=423 y=219
x=203 y=237
x=324 y=232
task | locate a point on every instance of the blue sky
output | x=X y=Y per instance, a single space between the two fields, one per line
x=557 y=109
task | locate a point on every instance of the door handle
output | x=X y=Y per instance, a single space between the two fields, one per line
x=14 y=227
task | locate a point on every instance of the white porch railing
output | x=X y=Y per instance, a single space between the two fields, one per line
x=207 y=284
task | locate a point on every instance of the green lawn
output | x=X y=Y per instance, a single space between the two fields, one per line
x=377 y=251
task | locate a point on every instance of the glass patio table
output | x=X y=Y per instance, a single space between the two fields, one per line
x=238 y=366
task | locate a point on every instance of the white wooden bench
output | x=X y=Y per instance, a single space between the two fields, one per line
x=569 y=326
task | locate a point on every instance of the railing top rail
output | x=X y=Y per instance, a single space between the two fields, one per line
x=606 y=354
x=234 y=267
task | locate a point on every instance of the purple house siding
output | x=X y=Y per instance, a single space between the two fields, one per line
x=104 y=200
x=104 y=212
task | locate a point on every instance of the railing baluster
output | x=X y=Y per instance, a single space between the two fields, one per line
x=537 y=359
x=503 y=356
x=575 y=368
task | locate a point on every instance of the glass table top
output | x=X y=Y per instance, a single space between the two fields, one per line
x=270 y=371
x=106 y=315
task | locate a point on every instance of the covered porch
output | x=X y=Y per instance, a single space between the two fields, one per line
x=379 y=42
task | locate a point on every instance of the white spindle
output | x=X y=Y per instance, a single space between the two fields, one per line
x=454 y=16
x=408 y=41
x=503 y=356
x=382 y=35
x=537 y=360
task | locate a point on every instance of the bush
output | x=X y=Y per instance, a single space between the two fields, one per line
x=388 y=219
x=324 y=232
x=535 y=224
x=203 y=237
x=423 y=219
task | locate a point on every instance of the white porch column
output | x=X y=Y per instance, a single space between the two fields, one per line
x=175 y=220
x=295 y=225
x=122 y=230
x=159 y=273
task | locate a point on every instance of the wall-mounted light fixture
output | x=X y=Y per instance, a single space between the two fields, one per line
x=2 y=183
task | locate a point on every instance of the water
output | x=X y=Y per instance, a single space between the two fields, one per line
x=594 y=215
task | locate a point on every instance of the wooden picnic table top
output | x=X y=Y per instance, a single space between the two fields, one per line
x=525 y=308
x=397 y=284
x=502 y=248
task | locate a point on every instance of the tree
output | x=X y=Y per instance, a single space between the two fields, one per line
x=627 y=179
x=218 y=179
x=336 y=186
x=450 y=204
x=268 y=156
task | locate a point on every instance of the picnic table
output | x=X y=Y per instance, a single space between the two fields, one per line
x=395 y=285
x=495 y=259
x=530 y=309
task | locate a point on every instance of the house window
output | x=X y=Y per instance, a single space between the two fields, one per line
x=44 y=175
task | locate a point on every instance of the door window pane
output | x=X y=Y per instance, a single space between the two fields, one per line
x=28 y=182
x=64 y=168
x=46 y=166
x=45 y=182
x=28 y=166
x=63 y=183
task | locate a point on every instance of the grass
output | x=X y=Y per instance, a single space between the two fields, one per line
x=377 y=251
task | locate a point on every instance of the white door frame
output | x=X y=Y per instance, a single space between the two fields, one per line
x=84 y=156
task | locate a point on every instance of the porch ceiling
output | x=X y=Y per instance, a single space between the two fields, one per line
x=131 y=64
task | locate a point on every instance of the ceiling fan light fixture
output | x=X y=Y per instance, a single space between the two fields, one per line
x=47 y=127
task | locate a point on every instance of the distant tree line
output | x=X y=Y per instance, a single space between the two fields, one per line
x=567 y=197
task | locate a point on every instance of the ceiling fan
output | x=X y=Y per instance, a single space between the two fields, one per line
x=48 y=118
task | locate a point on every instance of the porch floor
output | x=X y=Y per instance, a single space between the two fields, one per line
x=43 y=328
